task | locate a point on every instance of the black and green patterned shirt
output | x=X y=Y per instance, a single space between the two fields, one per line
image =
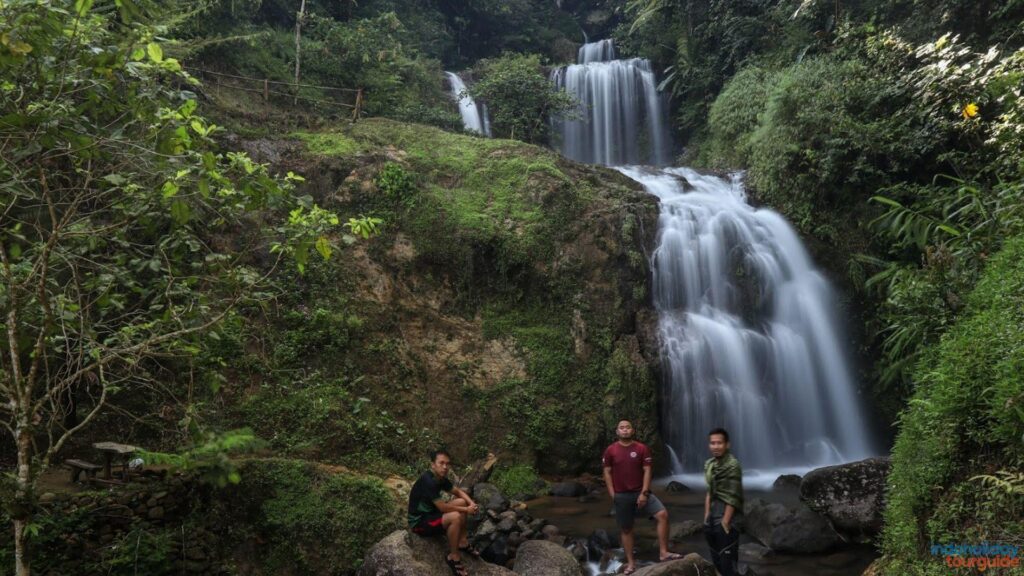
x=424 y=492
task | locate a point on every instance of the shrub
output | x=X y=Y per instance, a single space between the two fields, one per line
x=516 y=480
x=520 y=98
x=735 y=115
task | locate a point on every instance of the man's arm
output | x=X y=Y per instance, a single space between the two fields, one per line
x=707 y=507
x=608 y=481
x=446 y=507
x=460 y=493
x=642 y=500
x=727 y=517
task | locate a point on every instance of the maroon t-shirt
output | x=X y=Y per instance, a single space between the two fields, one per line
x=627 y=464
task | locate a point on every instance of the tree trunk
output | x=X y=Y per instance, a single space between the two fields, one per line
x=21 y=567
x=480 y=472
x=22 y=500
x=298 y=47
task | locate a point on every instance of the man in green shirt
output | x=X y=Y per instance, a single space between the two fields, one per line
x=723 y=505
x=430 y=515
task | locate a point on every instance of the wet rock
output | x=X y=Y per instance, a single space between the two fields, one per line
x=540 y=558
x=797 y=530
x=674 y=486
x=489 y=497
x=787 y=482
x=579 y=551
x=497 y=552
x=851 y=495
x=679 y=530
x=690 y=565
x=600 y=541
x=568 y=489
x=755 y=553
x=487 y=528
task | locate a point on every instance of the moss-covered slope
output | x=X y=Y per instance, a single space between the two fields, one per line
x=503 y=307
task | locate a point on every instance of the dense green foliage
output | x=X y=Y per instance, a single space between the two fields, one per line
x=393 y=50
x=966 y=419
x=307 y=518
x=520 y=98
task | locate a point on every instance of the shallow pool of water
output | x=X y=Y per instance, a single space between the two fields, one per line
x=578 y=520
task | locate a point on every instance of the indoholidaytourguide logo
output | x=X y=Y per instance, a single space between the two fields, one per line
x=981 y=557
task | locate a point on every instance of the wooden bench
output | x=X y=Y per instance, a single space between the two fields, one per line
x=79 y=466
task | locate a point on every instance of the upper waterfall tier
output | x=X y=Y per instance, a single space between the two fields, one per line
x=474 y=116
x=600 y=51
x=620 y=120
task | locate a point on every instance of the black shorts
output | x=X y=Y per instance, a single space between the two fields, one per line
x=429 y=525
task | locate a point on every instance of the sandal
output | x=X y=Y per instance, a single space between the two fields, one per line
x=457 y=567
x=629 y=570
x=671 y=556
x=471 y=550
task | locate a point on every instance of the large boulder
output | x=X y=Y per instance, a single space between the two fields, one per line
x=568 y=489
x=680 y=530
x=787 y=482
x=489 y=497
x=851 y=495
x=690 y=565
x=402 y=553
x=542 y=558
x=797 y=530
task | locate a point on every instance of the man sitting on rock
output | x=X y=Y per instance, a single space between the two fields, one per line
x=627 y=474
x=723 y=503
x=430 y=515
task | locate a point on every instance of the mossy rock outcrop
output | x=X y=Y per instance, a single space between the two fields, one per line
x=505 y=306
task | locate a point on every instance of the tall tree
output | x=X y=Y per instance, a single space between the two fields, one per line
x=115 y=209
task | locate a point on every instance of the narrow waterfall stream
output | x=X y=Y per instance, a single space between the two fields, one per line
x=474 y=115
x=750 y=338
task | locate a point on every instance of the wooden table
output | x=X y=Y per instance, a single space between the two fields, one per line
x=109 y=450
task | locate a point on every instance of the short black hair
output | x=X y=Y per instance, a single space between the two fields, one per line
x=719 y=431
x=438 y=452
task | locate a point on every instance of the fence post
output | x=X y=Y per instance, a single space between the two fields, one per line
x=359 y=103
x=266 y=90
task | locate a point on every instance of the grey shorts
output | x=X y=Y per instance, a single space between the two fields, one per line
x=626 y=510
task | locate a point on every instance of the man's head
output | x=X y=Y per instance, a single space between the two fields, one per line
x=624 y=430
x=440 y=463
x=718 y=442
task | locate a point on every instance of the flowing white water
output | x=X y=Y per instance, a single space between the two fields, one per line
x=621 y=115
x=474 y=116
x=749 y=335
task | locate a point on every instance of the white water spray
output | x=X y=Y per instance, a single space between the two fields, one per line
x=749 y=334
x=474 y=116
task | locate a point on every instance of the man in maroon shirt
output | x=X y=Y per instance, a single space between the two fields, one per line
x=627 y=473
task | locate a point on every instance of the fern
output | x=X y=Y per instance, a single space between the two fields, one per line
x=1004 y=481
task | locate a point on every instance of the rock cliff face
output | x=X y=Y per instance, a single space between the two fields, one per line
x=506 y=303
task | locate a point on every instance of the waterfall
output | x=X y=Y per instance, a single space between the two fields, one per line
x=750 y=339
x=621 y=110
x=474 y=116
